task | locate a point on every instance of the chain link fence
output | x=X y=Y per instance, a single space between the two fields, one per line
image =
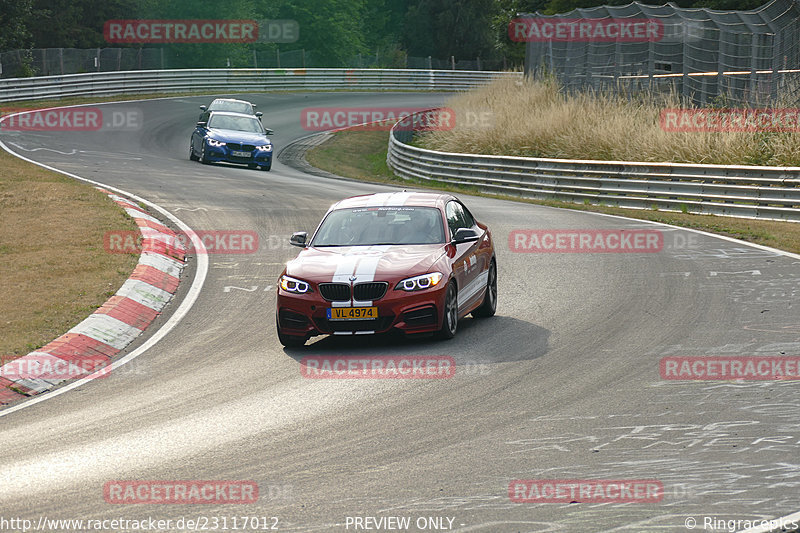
x=706 y=57
x=58 y=61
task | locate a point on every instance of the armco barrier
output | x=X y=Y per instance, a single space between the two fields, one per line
x=228 y=80
x=740 y=191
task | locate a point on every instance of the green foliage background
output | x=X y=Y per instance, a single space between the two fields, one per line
x=335 y=31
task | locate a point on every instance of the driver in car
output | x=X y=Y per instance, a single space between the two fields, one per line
x=421 y=230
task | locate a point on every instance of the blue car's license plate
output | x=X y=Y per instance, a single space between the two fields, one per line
x=236 y=153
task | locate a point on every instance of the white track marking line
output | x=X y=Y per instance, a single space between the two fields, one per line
x=700 y=232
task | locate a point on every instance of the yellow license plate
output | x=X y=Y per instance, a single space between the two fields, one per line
x=352 y=313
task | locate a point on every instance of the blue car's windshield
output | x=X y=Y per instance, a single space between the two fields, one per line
x=381 y=225
x=228 y=122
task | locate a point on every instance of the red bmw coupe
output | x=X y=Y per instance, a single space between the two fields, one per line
x=411 y=261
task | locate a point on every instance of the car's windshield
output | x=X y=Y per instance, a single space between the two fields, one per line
x=228 y=105
x=381 y=225
x=228 y=122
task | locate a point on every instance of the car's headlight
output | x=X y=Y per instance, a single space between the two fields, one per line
x=214 y=142
x=418 y=283
x=265 y=148
x=294 y=285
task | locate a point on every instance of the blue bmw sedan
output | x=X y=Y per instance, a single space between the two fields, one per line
x=233 y=138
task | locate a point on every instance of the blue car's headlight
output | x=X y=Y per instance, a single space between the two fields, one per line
x=264 y=148
x=215 y=143
x=418 y=283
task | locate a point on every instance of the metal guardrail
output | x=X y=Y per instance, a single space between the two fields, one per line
x=227 y=80
x=740 y=191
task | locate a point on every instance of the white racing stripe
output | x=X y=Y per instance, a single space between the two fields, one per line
x=472 y=288
x=366 y=268
x=345 y=269
x=361 y=265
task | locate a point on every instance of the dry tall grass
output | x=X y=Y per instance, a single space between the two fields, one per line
x=537 y=119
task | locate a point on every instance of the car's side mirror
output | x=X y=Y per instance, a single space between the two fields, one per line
x=465 y=235
x=259 y=114
x=299 y=239
x=203 y=107
x=202 y=124
x=268 y=131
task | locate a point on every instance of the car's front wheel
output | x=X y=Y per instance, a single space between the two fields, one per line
x=267 y=166
x=203 y=158
x=192 y=155
x=450 y=318
x=489 y=305
x=290 y=341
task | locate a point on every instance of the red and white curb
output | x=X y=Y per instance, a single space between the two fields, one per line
x=113 y=326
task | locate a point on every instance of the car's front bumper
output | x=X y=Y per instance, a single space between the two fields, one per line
x=218 y=154
x=409 y=312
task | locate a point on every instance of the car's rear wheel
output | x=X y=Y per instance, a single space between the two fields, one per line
x=489 y=305
x=450 y=318
x=192 y=155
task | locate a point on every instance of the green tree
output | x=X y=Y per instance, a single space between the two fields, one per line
x=332 y=29
x=201 y=55
x=14 y=24
x=507 y=10
x=75 y=24
x=442 y=28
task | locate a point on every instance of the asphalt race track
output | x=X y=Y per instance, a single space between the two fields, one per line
x=563 y=383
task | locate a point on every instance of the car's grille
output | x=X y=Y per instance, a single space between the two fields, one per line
x=340 y=292
x=424 y=316
x=330 y=326
x=335 y=292
x=242 y=147
x=369 y=291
